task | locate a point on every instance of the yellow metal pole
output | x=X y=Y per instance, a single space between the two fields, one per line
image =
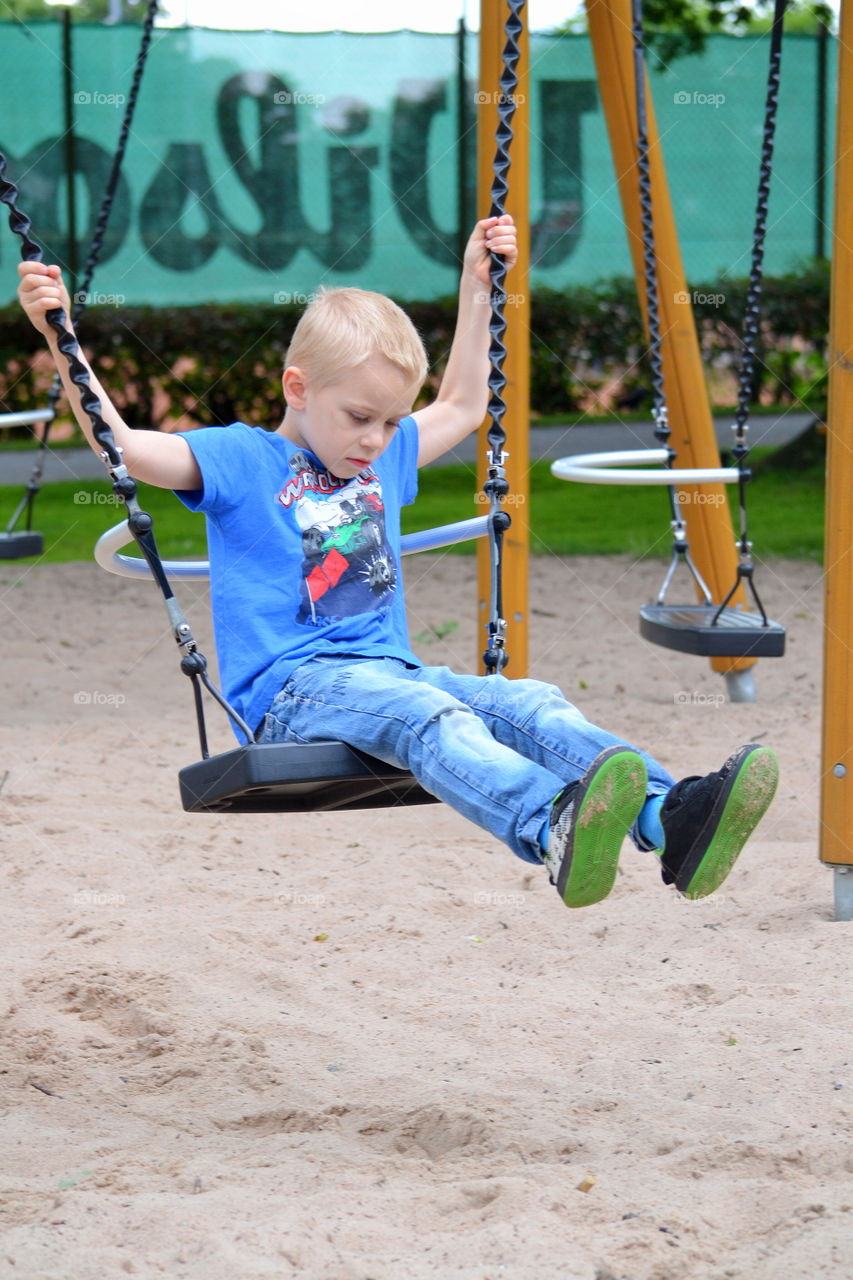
x=517 y=340
x=836 y=804
x=709 y=526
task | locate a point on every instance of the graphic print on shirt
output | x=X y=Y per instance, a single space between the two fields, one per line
x=348 y=567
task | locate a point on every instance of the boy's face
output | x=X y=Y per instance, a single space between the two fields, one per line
x=349 y=423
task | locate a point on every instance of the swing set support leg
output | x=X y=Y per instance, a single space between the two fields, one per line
x=740 y=686
x=709 y=525
x=836 y=772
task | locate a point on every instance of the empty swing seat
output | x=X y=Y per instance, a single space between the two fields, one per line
x=19 y=543
x=691 y=629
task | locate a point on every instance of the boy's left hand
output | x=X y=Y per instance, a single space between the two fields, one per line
x=490 y=235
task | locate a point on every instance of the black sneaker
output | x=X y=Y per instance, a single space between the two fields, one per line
x=589 y=821
x=707 y=821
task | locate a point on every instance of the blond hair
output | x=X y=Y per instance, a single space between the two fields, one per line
x=341 y=329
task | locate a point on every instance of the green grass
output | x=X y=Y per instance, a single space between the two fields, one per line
x=785 y=513
x=26 y=444
x=72 y=514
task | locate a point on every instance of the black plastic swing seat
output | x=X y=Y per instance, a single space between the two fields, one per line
x=691 y=629
x=292 y=777
x=20 y=543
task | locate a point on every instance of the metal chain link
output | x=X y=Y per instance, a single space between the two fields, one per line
x=752 y=316
x=79 y=303
x=753 y=300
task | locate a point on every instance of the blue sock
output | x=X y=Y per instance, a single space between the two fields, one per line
x=649 y=822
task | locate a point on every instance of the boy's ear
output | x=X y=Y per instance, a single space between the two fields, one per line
x=293 y=384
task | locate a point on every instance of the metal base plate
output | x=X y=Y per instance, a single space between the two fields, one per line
x=17 y=545
x=688 y=628
x=292 y=777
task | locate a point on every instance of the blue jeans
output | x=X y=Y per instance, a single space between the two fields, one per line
x=497 y=750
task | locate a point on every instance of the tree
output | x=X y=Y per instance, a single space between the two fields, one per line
x=675 y=28
x=83 y=10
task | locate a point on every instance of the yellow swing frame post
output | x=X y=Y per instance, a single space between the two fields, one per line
x=836 y=800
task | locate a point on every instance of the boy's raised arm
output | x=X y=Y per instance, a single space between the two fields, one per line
x=463 y=396
x=151 y=456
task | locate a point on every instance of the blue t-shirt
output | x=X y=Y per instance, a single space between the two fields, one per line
x=301 y=562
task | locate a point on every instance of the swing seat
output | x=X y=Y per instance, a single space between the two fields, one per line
x=20 y=543
x=691 y=629
x=288 y=777
x=295 y=777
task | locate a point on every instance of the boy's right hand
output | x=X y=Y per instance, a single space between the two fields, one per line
x=42 y=290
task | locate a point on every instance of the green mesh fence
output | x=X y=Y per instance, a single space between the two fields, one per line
x=262 y=165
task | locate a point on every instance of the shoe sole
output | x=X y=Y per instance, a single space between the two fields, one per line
x=606 y=806
x=741 y=805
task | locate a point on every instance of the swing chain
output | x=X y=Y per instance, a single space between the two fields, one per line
x=54 y=394
x=752 y=317
x=740 y=448
x=659 y=411
x=751 y=331
x=139 y=522
x=496 y=486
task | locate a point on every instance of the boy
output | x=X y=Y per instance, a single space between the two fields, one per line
x=304 y=529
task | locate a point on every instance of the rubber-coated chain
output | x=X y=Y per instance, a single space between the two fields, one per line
x=496 y=486
x=648 y=229
x=31 y=251
x=124 y=485
x=140 y=523
x=54 y=394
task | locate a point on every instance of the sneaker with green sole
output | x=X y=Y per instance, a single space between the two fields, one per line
x=707 y=821
x=589 y=821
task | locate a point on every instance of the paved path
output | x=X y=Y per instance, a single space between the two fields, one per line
x=556 y=442
x=545 y=442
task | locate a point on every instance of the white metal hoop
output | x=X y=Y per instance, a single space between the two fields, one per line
x=604 y=468
x=107 y=548
x=28 y=419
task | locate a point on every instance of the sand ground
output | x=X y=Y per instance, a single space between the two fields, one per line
x=375 y=1046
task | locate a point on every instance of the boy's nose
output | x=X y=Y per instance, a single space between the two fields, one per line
x=371 y=437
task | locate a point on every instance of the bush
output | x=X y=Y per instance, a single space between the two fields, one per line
x=218 y=364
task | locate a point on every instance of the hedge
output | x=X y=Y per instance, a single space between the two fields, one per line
x=222 y=363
